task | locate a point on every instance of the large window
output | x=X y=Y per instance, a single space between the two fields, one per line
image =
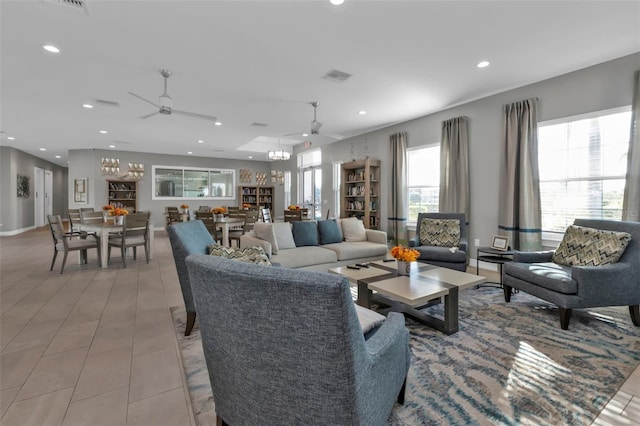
x=310 y=182
x=171 y=183
x=582 y=163
x=424 y=180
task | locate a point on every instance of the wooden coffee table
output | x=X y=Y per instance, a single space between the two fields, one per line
x=426 y=286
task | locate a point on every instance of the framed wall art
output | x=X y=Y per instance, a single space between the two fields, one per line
x=23 y=187
x=500 y=243
x=80 y=191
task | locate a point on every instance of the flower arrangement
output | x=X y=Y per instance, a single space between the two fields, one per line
x=184 y=206
x=118 y=211
x=107 y=207
x=405 y=254
x=246 y=206
x=292 y=207
x=219 y=210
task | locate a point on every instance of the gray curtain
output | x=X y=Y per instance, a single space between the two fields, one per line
x=454 y=167
x=631 y=202
x=520 y=217
x=397 y=218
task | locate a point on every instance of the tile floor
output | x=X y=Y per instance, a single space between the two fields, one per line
x=97 y=347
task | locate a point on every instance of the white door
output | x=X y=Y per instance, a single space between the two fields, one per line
x=48 y=193
x=38 y=192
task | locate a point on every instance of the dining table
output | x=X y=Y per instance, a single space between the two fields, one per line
x=225 y=224
x=103 y=229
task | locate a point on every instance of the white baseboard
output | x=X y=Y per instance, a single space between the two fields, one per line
x=16 y=231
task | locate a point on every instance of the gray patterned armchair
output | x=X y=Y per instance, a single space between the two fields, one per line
x=440 y=253
x=285 y=347
x=569 y=287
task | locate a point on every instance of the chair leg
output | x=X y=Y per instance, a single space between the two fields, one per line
x=191 y=320
x=634 y=311
x=64 y=260
x=108 y=255
x=565 y=316
x=53 y=261
x=402 y=391
x=146 y=251
x=123 y=253
x=507 y=293
x=135 y=252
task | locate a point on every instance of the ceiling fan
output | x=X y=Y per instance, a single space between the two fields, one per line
x=165 y=103
x=314 y=131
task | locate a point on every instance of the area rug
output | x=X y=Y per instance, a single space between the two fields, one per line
x=510 y=364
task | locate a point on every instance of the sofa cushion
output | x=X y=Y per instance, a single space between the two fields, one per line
x=548 y=275
x=249 y=254
x=441 y=254
x=353 y=250
x=264 y=231
x=284 y=236
x=305 y=233
x=582 y=246
x=329 y=232
x=353 y=229
x=440 y=232
x=304 y=256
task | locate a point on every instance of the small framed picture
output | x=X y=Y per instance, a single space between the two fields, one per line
x=80 y=191
x=500 y=243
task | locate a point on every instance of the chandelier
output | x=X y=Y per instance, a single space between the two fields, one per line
x=279 y=155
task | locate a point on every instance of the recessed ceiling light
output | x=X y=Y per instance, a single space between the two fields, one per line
x=51 y=48
x=112 y=146
x=362 y=112
x=217 y=123
x=483 y=64
x=11 y=138
x=88 y=106
x=104 y=132
x=57 y=156
x=304 y=135
x=336 y=2
x=251 y=156
x=200 y=141
x=189 y=152
x=43 y=149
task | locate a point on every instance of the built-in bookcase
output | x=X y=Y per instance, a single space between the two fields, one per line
x=123 y=193
x=360 y=191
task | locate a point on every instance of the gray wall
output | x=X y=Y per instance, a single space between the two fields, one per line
x=18 y=214
x=86 y=164
x=603 y=86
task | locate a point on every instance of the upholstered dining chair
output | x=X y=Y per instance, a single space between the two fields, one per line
x=188 y=238
x=62 y=242
x=441 y=239
x=135 y=233
x=250 y=218
x=209 y=220
x=306 y=362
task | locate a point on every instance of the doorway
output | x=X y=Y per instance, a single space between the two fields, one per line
x=43 y=193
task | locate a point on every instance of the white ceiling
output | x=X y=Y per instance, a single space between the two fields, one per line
x=263 y=61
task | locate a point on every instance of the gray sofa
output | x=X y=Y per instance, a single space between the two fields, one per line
x=570 y=287
x=292 y=249
x=441 y=255
x=284 y=347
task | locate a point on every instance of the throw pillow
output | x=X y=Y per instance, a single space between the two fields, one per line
x=582 y=246
x=440 y=232
x=353 y=229
x=264 y=231
x=284 y=236
x=329 y=231
x=248 y=254
x=305 y=233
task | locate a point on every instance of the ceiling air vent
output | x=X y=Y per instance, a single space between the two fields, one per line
x=79 y=5
x=335 y=75
x=108 y=103
x=258 y=124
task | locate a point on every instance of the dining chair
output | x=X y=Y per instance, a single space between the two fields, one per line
x=91 y=217
x=135 y=232
x=292 y=215
x=173 y=216
x=204 y=209
x=74 y=222
x=62 y=242
x=208 y=218
x=250 y=218
x=266 y=215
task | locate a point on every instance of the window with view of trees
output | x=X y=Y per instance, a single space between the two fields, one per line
x=582 y=162
x=423 y=166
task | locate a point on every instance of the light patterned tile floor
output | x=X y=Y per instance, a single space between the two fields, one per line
x=97 y=347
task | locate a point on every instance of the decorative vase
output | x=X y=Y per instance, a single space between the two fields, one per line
x=105 y=216
x=404 y=268
x=118 y=220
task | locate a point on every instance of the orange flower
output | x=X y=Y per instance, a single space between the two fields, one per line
x=107 y=207
x=246 y=205
x=184 y=206
x=219 y=210
x=405 y=254
x=118 y=211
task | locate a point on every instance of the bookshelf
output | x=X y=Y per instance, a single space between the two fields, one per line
x=256 y=196
x=360 y=191
x=123 y=193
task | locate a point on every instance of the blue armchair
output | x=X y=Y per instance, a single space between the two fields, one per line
x=570 y=287
x=285 y=347
x=188 y=238
x=442 y=255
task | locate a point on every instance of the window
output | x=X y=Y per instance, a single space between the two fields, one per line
x=423 y=181
x=287 y=189
x=582 y=162
x=310 y=182
x=171 y=183
x=337 y=172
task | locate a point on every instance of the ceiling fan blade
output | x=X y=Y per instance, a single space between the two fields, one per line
x=195 y=115
x=149 y=115
x=143 y=99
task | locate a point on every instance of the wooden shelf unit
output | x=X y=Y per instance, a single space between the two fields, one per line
x=360 y=191
x=256 y=196
x=123 y=193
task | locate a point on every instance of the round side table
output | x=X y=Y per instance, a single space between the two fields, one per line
x=490 y=255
